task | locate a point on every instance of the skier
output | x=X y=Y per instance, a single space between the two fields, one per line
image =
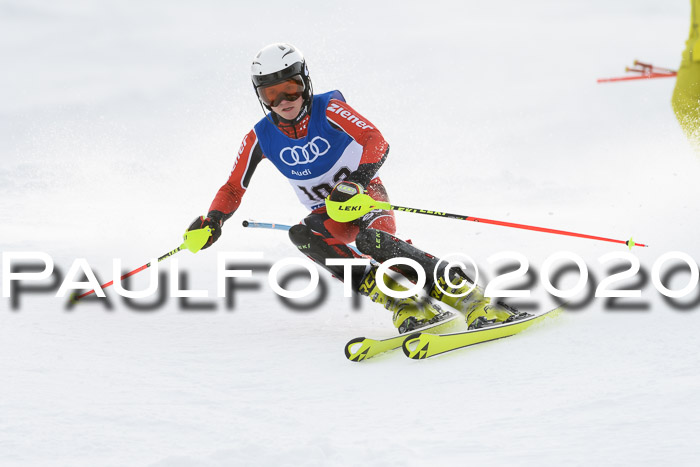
x=325 y=148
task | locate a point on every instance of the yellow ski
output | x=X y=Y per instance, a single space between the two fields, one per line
x=421 y=345
x=362 y=348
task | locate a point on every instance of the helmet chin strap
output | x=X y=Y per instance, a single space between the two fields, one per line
x=303 y=112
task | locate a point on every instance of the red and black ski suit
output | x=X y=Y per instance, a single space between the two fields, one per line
x=320 y=236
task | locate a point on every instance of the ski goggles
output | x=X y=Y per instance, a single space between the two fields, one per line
x=289 y=90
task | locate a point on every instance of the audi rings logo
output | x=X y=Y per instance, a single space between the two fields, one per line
x=306 y=154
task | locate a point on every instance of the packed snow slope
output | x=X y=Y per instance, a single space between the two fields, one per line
x=120 y=120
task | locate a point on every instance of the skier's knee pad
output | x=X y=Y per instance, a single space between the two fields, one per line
x=300 y=235
x=366 y=241
x=376 y=243
x=318 y=248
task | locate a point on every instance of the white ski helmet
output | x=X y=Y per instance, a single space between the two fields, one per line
x=280 y=62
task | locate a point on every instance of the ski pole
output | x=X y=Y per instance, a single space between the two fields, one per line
x=194 y=240
x=266 y=225
x=359 y=205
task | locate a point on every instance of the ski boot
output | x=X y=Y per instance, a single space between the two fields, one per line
x=479 y=311
x=483 y=314
x=383 y=246
x=463 y=298
x=418 y=313
x=409 y=313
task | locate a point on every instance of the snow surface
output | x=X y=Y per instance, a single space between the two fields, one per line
x=120 y=120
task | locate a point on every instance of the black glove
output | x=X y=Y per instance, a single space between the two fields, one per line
x=214 y=221
x=345 y=190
